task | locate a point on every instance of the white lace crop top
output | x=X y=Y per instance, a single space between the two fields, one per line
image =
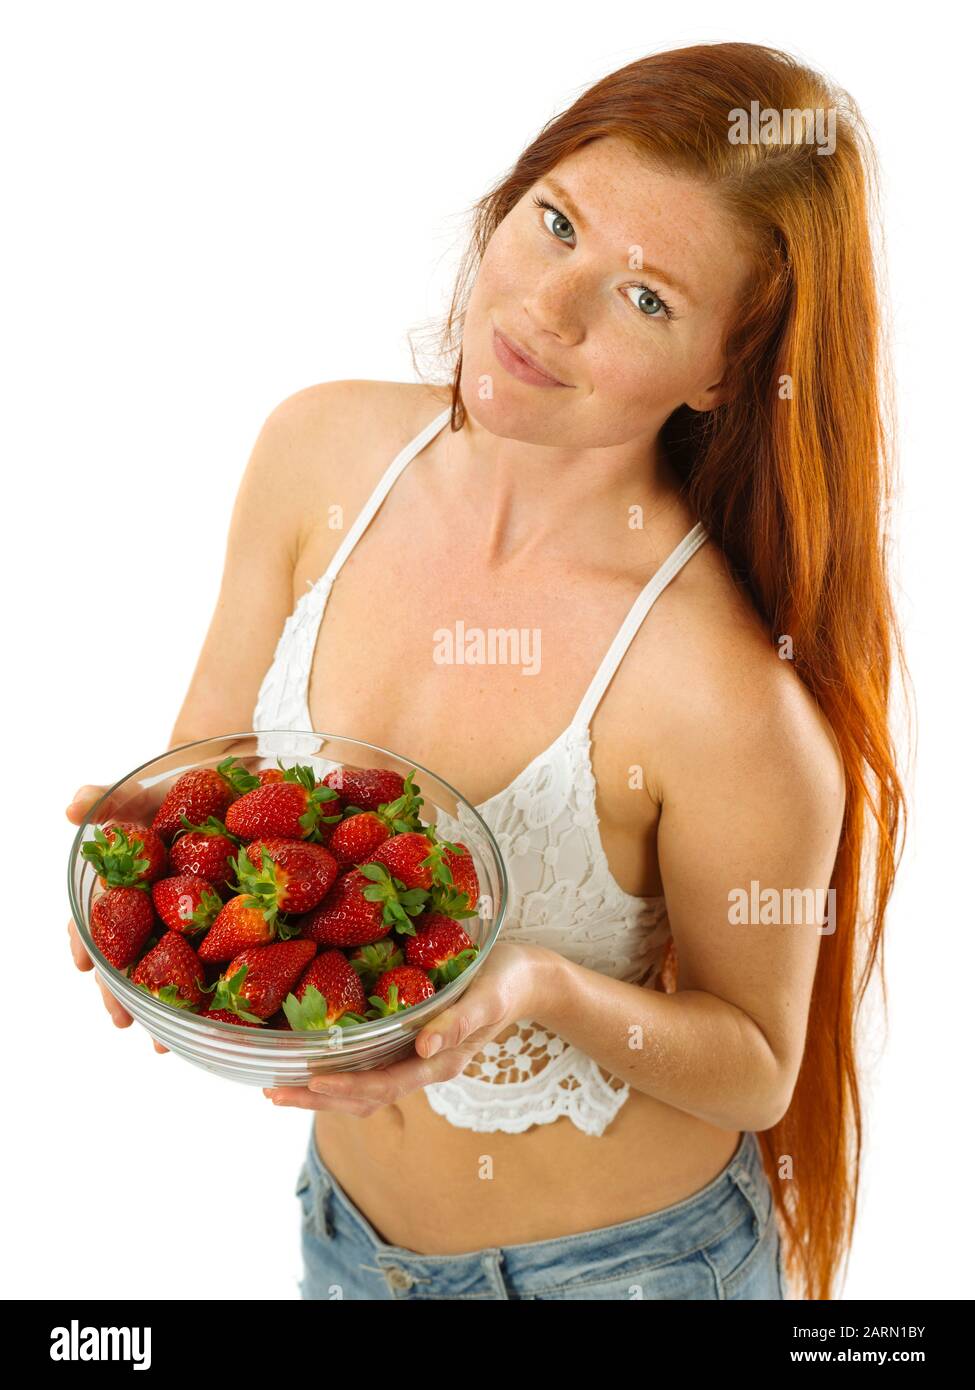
x=561 y=892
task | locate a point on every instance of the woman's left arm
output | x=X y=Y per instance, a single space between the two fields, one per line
x=752 y=810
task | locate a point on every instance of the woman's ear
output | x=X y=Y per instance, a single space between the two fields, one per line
x=709 y=399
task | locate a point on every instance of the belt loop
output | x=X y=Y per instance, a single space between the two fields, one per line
x=759 y=1202
x=492 y=1261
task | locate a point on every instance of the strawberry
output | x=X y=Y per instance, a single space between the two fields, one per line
x=345 y=917
x=121 y=921
x=460 y=899
x=204 y=850
x=270 y=774
x=355 y=839
x=400 y=989
x=242 y=922
x=356 y=836
x=186 y=903
x=328 y=993
x=294 y=808
x=416 y=858
x=201 y=792
x=441 y=946
x=366 y=788
x=125 y=854
x=370 y=961
x=225 y=1016
x=301 y=873
x=361 y=907
x=255 y=983
x=172 y=971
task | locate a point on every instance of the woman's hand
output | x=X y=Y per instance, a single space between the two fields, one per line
x=84 y=799
x=508 y=986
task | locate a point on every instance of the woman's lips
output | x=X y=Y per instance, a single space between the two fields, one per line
x=512 y=361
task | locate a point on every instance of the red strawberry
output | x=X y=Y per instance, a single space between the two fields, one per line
x=362 y=907
x=328 y=993
x=240 y=923
x=121 y=921
x=302 y=873
x=202 y=792
x=400 y=989
x=270 y=774
x=441 y=946
x=186 y=903
x=255 y=983
x=370 y=961
x=124 y=854
x=412 y=858
x=345 y=917
x=225 y=1016
x=366 y=788
x=460 y=899
x=294 y=808
x=172 y=971
x=203 y=850
x=355 y=838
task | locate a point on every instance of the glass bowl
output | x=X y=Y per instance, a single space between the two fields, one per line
x=275 y=1057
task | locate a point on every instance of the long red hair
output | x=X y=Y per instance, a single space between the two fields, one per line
x=794 y=487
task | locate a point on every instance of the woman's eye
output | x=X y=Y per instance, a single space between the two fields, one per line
x=560 y=225
x=649 y=304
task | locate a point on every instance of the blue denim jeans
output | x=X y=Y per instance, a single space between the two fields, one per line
x=721 y=1242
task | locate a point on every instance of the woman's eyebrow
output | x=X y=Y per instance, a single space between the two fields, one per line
x=565 y=197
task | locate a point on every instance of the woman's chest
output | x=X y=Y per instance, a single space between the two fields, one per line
x=475 y=675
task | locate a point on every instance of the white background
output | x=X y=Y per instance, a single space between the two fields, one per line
x=209 y=206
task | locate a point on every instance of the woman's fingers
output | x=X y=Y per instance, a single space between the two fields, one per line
x=83 y=961
x=302 y=1099
x=81 y=957
x=120 y=1017
x=138 y=804
x=82 y=802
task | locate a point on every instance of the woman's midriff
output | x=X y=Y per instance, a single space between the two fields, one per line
x=428 y=1186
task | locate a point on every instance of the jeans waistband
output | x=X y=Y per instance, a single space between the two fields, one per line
x=675 y=1231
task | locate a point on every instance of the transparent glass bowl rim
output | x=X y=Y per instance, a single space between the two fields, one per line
x=373 y=1029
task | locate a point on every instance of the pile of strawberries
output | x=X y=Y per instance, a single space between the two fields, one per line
x=277 y=900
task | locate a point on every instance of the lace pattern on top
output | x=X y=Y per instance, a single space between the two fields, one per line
x=562 y=896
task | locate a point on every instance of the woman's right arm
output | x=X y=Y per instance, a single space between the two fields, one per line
x=267 y=531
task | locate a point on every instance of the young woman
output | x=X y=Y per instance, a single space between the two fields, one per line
x=662 y=455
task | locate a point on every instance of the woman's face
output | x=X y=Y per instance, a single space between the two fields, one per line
x=623 y=293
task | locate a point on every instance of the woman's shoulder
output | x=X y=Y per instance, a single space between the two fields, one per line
x=345 y=421
x=719 y=685
x=338 y=438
